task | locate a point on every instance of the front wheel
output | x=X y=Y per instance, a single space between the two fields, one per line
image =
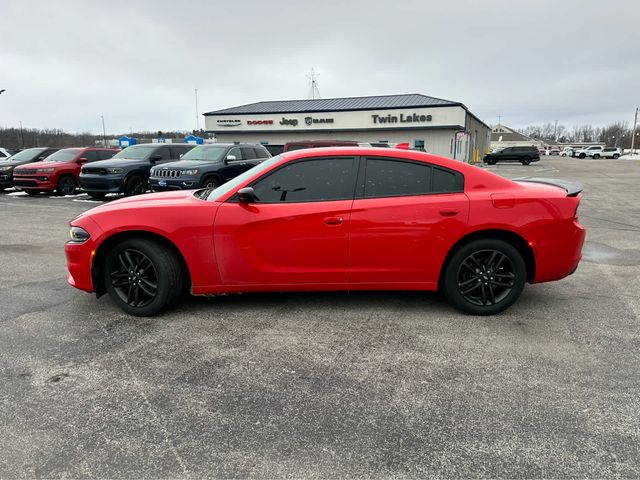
x=582 y=155
x=596 y=156
x=526 y=161
x=210 y=183
x=485 y=277
x=616 y=156
x=135 y=185
x=143 y=277
x=66 y=186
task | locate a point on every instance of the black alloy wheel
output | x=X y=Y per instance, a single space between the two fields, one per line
x=143 y=277
x=66 y=186
x=485 y=277
x=526 y=161
x=135 y=185
x=582 y=155
x=210 y=183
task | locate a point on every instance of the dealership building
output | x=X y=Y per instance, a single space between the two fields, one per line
x=438 y=126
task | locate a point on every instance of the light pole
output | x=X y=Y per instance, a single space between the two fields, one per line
x=22 y=134
x=633 y=132
x=197 y=116
x=104 y=133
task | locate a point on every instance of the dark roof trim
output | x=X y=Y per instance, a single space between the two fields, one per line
x=333 y=130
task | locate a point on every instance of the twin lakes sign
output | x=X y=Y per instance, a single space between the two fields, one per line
x=428 y=117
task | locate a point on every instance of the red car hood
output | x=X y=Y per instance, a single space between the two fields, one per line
x=159 y=199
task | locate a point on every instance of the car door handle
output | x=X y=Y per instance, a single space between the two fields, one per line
x=449 y=212
x=333 y=220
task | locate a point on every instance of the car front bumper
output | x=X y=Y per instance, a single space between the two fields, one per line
x=165 y=184
x=33 y=182
x=80 y=256
x=102 y=183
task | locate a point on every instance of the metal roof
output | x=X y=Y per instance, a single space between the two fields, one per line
x=410 y=100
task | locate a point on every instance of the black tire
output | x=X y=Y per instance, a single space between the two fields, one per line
x=484 y=277
x=616 y=156
x=66 y=185
x=97 y=195
x=143 y=277
x=582 y=155
x=210 y=182
x=135 y=185
x=33 y=193
x=525 y=161
x=596 y=156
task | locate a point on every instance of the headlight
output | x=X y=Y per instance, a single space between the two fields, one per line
x=78 y=234
x=114 y=170
x=189 y=172
x=6 y=169
x=44 y=170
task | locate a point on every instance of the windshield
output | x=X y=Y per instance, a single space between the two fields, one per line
x=28 y=154
x=240 y=179
x=205 y=153
x=65 y=155
x=136 y=152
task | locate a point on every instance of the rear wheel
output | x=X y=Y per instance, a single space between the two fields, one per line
x=582 y=155
x=135 y=185
x=485 y=277
x=616 y=156
x=97 y=195
x=66 y=186
x=526 y=161
x=143 y=277
x=596 y=156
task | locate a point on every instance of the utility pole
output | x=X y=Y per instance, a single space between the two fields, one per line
x=555 y=131
x=104 y=133
x=500 y=119
x=633 y=132
x=22 y=134
x=197 y=116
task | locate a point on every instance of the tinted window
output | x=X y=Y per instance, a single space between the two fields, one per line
x=176 y=151
x=393 y=178
x=105 y=154
x=163 y=152
x=320 y=179
x=446 y=181
x=65 y=155
x=90 y=155
x=248 y=153
x=261 y=153
x=28 y=154
x=2 y=155
x=506 y=150
x=235 y=151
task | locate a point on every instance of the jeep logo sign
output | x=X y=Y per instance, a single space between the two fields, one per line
x=289 y=121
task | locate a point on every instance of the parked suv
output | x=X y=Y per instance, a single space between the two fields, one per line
x=588 y=151
x=25 y=156
x=128 y=171
x=207 y=166
x=606 y=152
x=524 y=155
x=58 y=172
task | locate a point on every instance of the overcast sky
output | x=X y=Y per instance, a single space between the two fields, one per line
x=65 y=63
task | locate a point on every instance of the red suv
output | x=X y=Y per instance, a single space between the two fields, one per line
x=59 y=172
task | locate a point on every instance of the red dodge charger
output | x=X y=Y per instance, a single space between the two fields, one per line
x=343 y=218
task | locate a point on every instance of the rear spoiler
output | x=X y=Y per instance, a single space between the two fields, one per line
x=572 y=188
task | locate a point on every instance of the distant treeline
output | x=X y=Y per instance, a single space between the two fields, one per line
x=614 y=135
x=55 y=137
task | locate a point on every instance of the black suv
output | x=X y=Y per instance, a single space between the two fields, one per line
x=207 y=166
x=128 y=171
x=524 y=155
x=25 y=156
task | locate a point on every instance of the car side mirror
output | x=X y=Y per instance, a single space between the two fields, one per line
x=155 y=158
x=247 y=195
x=230 y=158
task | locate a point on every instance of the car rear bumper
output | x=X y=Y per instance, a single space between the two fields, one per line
x=559 y=256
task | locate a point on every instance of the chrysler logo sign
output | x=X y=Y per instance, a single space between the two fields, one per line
x=229 y=123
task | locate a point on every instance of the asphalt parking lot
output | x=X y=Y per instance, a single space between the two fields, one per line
x=325 y=384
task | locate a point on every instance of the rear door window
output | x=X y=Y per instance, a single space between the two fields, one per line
x=235 y=151
x=248 y=153
x=260 y=153
x=164 y=152
x=106 y=154
x=177 y=151
x=396 y=178
x=90 y=155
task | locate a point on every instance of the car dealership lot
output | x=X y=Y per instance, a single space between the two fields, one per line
x=325 y=384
